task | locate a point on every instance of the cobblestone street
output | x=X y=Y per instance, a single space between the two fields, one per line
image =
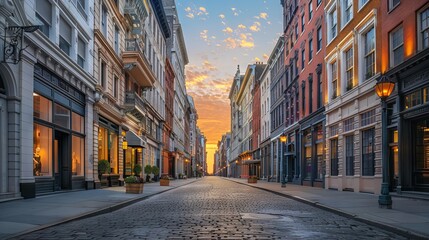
x=214 y=208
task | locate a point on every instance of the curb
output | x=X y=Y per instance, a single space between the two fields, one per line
x=384 y=226
x=96 y=212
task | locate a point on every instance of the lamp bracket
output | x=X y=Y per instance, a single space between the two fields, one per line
x=13 y=42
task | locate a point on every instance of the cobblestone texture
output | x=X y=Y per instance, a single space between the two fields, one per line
x=214 y=208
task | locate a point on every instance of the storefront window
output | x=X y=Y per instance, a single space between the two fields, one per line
x=42 y=150
x=42 y=108
x=308 y=162
x=78 y=155
x=78 y=123
x=108 y=148
x=61 y=116
x=320 y=162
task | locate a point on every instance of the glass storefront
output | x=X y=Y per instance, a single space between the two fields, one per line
x=108 y=147
x=421 y=149
x=78 y=151
x=42 y=151
x=133 y=156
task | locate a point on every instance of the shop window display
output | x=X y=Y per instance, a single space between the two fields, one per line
x=108 y=148
x=42 y=151
x=78 y=123
x=78 y=151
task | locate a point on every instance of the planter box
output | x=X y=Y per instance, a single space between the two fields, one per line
x=164 y=182
x=104 y=181
x=134 y=188
x=252 y=180
x=113 y=180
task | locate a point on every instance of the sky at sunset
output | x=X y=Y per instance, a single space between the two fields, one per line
x=219 y=35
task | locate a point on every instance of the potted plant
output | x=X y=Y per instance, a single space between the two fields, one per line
x=252 y=179
x=155 y=171
x=147 y=171
x=103 y=172
x=180 y=176
x=133 y=184
x=165 y=180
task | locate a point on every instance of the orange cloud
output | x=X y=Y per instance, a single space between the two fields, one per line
x=230 y=43
x=241 y=26
x=228 y=30
x=265 y=56
x=263 y=15
x=221 y=16
x=255 y=27
x=190 y=15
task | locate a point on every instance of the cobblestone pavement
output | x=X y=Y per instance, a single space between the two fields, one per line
x=214 y=208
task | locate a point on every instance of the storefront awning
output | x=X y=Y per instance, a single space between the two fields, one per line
x=251 y=161
x=134 y=140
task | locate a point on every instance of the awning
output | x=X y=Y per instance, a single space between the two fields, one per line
x=251 y=161
x=134 y=140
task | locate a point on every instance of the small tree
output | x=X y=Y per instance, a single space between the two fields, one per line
x=155 y=171
x=103 y=167
x=137 y=169
x=147 y=171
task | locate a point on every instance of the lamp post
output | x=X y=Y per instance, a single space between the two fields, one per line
x=283 y=139
x=384 y=88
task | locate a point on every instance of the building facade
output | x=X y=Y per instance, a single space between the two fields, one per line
x=353 y=114
x=404 y=60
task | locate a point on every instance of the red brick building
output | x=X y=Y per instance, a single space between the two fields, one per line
x=167 y=158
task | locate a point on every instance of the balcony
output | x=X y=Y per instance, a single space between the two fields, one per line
x=136 y=64
x=134 y=106
x=136 y=11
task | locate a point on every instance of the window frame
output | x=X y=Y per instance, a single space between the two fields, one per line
x=392 y=48
x=419 y=27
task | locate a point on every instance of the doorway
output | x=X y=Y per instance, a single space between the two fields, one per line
x=62 y=161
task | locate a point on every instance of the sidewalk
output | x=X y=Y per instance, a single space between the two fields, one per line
x=27 y=215
x=409 y=217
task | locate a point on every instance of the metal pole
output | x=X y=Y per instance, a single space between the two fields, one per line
x=283 y=166
x=384 y=200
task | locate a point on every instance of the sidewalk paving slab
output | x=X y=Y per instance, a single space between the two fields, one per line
x=27 y=215
x=408 y=217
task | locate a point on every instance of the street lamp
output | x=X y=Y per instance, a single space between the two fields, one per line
x=283 y=139
x=384 y=88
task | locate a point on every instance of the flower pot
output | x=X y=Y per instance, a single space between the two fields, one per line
x=134 y=188
x=252 y=180
x=164 y=182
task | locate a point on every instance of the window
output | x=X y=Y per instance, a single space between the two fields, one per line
x=310 y=10
x=116 y=40
x=396 y=46
x=81 y=49
x=296 y=32
x=349 y=124
x=42 y=151
x=310 y=49
x=78 y=155
x=369 y=57
x=65 y=36
x=334 y=78
x=349 y=68
x=424 y=28
x=368 y=168
x=319 y=90
x=303 y=98
x=333 y=130
x=104 y=20
x=302 y=59
x=393 y=4
x=302 y=23
x=44 y=15
x=80 y=4
x=78 y=122
x=350 y=159
x=42 y=108
x=332 y=24
x=367 y=118
x=61 y=116
x=319 y=38
x=115 y=87
x=416 y=98
x=310 y=93
x=347 y=11
x=103 y=75
x=362 y=3
x=334 y=157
